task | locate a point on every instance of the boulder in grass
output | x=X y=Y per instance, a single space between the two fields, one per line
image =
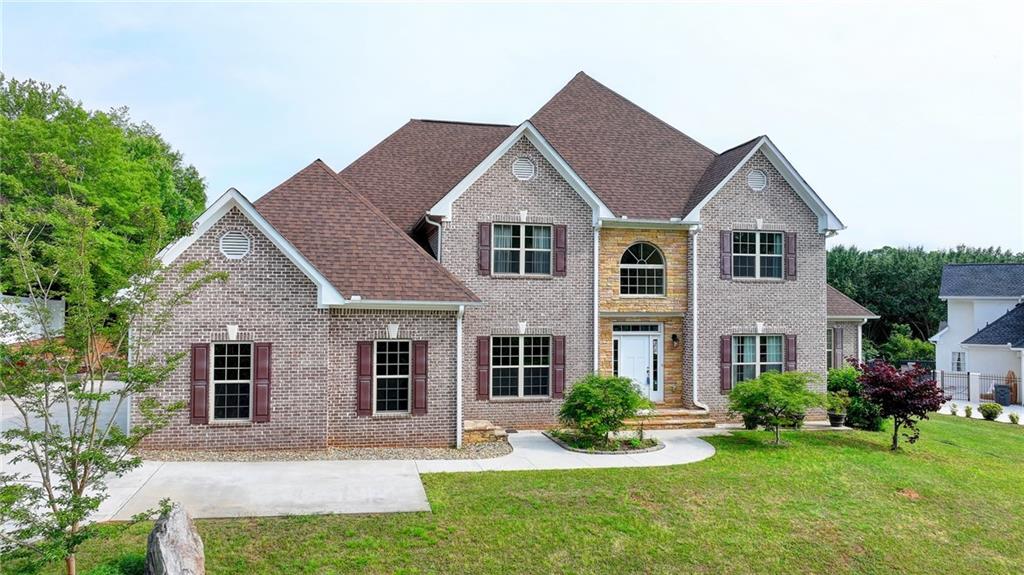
x=174 y=546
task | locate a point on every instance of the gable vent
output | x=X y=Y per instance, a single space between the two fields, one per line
x=523 y=168
x=235 y=245
x=757 y=180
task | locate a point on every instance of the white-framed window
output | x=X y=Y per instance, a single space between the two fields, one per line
x=231 y=399
x=521 y=249
x=959 y=362
x=753 y=355
x=642 y=271
x=757 y=255
x=830 y=344
x=391 y=376
x=520 y=366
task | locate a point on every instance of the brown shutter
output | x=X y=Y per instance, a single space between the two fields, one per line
x=559 y=252
x=419 y=377
x=726 y=254
x=838 y=356
x=200 y=378
x=483 y=367
x=364 y=378
x=790 y=247
x=484 y=250
x=558 y=367
x=791 y=352
x=725 y=363
x=261 y=383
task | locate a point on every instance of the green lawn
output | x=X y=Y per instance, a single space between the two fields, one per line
x=827 y=503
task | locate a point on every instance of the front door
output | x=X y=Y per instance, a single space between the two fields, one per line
x=638 y=360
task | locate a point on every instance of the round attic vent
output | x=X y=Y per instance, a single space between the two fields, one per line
x=235 y=245
x=757 y=180
x=523 y=168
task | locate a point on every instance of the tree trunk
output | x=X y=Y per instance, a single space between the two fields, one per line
x=778 y=437
x=895 y=434
x=69 y=565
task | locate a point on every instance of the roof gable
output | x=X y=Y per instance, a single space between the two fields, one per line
x=982 y=280
x=356 y=246
x=410 y=170
x=1007 y=330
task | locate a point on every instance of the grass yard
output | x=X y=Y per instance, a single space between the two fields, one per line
x=827 y=503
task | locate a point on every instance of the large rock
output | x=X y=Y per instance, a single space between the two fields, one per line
x=175 y=547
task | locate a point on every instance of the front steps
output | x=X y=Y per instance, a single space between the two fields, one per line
x=673 y=418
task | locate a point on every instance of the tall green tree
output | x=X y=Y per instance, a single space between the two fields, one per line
x=902 y=284
x=140 y=190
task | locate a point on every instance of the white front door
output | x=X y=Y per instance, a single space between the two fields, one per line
x=638 y=361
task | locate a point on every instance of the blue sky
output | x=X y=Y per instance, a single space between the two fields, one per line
x=905 y=117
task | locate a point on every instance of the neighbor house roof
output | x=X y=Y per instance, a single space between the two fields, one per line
x=839 y=305
x=356 y=247
x=638 y=165
x=415 y=166
x=1008 y=329
x=982 y=280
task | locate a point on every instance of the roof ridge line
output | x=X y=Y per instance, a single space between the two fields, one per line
x=462 y=123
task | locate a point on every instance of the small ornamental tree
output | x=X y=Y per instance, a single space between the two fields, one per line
x=906 y=396
x=67 y=386
x=775 y=398
x=599 y=405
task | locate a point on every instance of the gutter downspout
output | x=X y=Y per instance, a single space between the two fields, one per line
x=438 y=226
x=860 y=340
x=597 y=271
x=458 y=376
x=693 y=315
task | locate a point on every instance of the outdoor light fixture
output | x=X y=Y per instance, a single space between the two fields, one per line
x=675 y=340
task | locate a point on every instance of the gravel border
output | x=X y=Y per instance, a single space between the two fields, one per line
x=471 y=451
x=567 y=447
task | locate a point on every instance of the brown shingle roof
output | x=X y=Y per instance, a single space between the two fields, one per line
x=717 y=171
x=413 y=168
x=638 y=165
x=353 y=244
x=840 y=305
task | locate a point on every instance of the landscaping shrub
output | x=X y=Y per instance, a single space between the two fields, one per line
x=952 y=409
x=1014 y=418
x=861 y=413
x=838 y=401
x=967 y=411
x=778 y=399
x=598 y=405
x=990 y=411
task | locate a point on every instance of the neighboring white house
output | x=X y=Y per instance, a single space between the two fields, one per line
x=984 y=330
x=28 y=327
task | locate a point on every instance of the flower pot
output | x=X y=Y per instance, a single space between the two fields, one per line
x=836 y=419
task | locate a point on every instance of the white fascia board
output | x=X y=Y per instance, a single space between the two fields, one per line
x=410 y=305
x=935 y=338
x=827 y=220
x=327 y=295
x=851 y=317
x=982 y=297
x=648 y=224
x=443 y=207
x=1007 y=345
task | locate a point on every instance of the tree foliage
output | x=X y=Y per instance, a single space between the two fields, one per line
x=775 y=398
x=598 y=405
x=902 y=284
x=901 y=346
x=139 y=188
x=860 y=413
x=67 y=388
x=906 y=396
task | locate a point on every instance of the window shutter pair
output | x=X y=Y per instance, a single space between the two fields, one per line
x=725 y=360
x=364 y=378
x=483 y=367
x=837 y=347
x=558 y=251
x=725 y=248
x=199 y=398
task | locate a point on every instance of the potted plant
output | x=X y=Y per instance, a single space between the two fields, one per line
x=837 y=403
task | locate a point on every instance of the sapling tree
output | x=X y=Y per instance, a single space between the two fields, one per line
x=906 y=396
x=68 y=386
x=775 y=398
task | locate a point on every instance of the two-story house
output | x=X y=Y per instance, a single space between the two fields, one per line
x=464 y=272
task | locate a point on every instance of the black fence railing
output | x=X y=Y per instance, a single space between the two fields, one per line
x=955 y=384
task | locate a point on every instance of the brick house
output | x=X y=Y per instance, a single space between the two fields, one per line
x=461 y=271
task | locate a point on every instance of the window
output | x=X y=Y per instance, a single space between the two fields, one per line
x=753 y=355
x=232 y=381
x=522 y=249
x=959 y=361
x=391 y=376
x=642 y=271
x=520 y=366
x=829 y=346
x=757 y=254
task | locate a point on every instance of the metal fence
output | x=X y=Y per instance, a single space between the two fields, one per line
x=955 y=384
x=987 y=383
